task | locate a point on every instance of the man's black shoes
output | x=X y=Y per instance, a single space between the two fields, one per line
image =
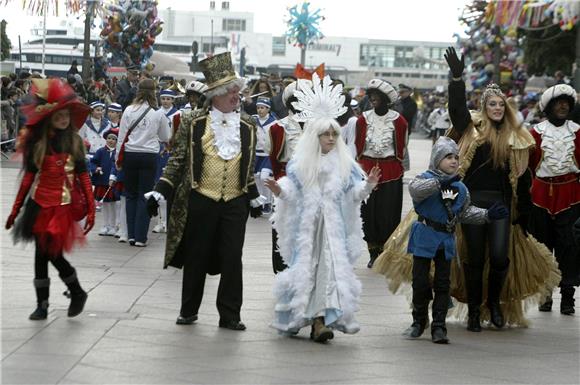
x=181 y=320
x=232 y=325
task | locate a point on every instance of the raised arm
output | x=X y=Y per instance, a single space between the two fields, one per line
x=458 y=112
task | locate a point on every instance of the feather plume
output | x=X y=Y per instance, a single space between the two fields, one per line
x=323 y=100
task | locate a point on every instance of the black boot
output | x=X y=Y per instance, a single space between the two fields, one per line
x=374 y=254
x=438 y=327
x=495 y=284
x=547 y=305
x=473 y=321
x=420 y=315
x=78 y=296
x=473 y=283
x=42 y=287
x=567 y=302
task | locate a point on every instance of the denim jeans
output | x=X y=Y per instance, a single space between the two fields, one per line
x=140 y=171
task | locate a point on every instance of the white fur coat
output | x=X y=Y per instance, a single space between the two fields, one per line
x=295 y=218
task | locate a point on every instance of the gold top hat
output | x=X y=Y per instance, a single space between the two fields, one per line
x=218 y=70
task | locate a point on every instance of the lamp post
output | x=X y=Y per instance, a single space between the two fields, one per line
x=211 y=39
x=44 y=12
x=86 y=74
x=577 y=72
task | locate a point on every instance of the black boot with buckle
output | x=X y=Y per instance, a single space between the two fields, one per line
x=567 y=302
x=495 y=285
x=473 y=283
x=420 y=315
x=438 y=327
x=42 y=287
x=78 y=297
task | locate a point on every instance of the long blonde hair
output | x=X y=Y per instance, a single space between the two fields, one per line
x=308 y=152
x=498 y=136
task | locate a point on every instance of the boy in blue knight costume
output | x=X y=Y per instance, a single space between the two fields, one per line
x=441 y=200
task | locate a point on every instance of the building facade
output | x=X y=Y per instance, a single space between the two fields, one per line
x=354 y=60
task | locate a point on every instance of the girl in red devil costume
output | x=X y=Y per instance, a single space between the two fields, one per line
x=53 y=161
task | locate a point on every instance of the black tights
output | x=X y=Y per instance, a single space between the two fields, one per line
x=41 y=259
x=493 y=236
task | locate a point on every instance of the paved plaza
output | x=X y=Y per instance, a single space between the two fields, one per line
x=127 y=333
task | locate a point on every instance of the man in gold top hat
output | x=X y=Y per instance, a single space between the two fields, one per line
x=209 y=182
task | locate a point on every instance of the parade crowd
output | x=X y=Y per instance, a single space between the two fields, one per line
x=497 y=211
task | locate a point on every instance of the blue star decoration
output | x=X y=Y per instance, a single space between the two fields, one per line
x=303 y=25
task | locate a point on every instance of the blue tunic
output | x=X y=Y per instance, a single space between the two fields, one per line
x=424 y=241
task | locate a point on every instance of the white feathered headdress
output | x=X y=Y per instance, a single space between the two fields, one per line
x=322 y=100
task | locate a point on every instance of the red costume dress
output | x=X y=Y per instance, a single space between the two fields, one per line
x=380 y=141
x=48 y=215
x=54 y=203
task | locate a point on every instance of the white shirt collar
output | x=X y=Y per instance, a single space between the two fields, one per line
x=226 y=130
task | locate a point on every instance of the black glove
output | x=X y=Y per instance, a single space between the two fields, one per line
x=455 y=65
x=446 y=182
x=152 y=207
x=576 y=230
x=256 y=212
x=497 y=211
x=523 y=219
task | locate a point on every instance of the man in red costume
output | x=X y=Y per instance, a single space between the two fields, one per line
x=556 y=189
x=381 y=136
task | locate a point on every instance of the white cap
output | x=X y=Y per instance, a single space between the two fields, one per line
x=196 y=86
x=385 y=87
x=556 y=91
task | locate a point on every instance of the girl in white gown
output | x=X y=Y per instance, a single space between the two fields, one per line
x=317 y=217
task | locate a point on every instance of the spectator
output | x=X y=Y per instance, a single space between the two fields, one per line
x=73 y=70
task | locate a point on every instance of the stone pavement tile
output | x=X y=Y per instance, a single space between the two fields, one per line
x=89 y=374
x=303 y=351
x=421 y=377
x=30 y=376
x=235 y=377
x=39 y=368
x=299 y=374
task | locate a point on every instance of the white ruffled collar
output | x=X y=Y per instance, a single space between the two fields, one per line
x=226 y=133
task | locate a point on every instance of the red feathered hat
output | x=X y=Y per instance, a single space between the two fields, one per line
x=51 y=95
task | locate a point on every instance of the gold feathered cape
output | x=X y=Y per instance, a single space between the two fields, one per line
x=533 y=270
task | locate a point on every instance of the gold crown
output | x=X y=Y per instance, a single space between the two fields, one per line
x=218 y=70
x=492 y=89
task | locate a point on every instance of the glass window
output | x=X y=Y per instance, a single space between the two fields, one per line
x=278 y=46
x=233 y=25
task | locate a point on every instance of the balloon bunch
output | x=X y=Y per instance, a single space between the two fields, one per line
x=128 y=32
x=564 y=13
x=303 y=25
x=486 y=39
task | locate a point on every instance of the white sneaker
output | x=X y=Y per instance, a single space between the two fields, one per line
x=159 y=229
x=140 y=244
x=123 y=239
x=104 y=230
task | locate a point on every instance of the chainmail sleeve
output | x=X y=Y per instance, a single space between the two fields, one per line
x=421 y=188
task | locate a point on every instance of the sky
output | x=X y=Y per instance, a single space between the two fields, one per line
x=419 y=20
